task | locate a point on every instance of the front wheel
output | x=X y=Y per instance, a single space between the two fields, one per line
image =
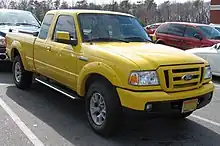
x=21 y=77
x=182 y=115
x=160 y=42
x=103 y=108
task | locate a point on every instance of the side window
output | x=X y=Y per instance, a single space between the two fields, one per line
x=163 y=29
x=190 y=32
x=45 y=26
x=176 y=29
x=65 y=23
x=152 y=27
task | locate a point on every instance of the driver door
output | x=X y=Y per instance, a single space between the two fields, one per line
x=64 y=56
x=190 y=41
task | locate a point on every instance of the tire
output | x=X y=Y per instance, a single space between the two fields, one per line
x=25 y=79
x=182 y=115
x=160 y=42
x=107 y=92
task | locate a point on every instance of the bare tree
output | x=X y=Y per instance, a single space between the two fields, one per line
x=147 y=11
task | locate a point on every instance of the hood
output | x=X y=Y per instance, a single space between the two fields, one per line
x=203 y=50
x=25 y=29
x=147 y=55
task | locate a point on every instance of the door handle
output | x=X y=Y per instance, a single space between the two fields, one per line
x=48 y=48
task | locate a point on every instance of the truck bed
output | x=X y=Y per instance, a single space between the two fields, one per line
x=23 y=40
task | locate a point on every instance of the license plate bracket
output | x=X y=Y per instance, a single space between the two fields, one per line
x=189 y=105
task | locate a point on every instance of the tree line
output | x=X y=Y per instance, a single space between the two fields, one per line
x=147 y=11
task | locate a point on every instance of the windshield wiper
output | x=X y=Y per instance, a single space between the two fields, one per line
x=21 y=23
x=107 y=39
x=138 y=38
x=5 y=23
x=216 y=37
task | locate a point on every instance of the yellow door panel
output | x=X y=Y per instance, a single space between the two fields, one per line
x=64 y=64
x=40 y=55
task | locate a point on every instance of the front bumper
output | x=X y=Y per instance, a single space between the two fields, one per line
x=3 y=55
x=162 y=101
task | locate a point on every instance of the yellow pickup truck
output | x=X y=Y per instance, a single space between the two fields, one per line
x=108 y=59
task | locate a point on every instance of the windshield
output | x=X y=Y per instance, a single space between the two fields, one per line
x=218 y=28
x=209 y=32
x=105 y=27
x=18 y=18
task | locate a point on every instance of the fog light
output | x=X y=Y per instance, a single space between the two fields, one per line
x=149 y=107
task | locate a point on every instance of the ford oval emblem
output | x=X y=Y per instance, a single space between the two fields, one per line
x=187 y=77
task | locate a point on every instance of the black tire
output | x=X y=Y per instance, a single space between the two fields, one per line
x=160 y=42
x=113 y=114
x=182 y=115
x=26 y=76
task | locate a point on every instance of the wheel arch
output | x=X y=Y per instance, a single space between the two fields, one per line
x=14 y=53
x=96 y=71
x=160 y=42
x=17 y=50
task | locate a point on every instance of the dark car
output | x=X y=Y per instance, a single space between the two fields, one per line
x=185 y=35
x=15 y=21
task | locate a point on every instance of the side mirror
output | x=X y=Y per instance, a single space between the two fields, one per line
x=198 y=36
x=64 y=37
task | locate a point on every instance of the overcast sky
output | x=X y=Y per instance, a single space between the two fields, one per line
x=108 y=1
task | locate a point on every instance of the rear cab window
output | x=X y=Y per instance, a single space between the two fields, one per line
x=45 y=26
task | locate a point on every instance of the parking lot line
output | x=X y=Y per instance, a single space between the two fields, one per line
x=206 y=120
x=6 y=84
x=21 y=125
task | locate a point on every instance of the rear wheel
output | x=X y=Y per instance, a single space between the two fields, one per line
x=21 y=77
x=103 y=108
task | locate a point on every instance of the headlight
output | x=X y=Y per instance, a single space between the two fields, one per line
x=207 y=73
x=144 y=78
x=2 y=41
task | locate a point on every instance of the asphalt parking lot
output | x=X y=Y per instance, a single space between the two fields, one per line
x=41 y=116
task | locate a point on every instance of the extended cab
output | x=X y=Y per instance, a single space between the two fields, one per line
x=107 y=58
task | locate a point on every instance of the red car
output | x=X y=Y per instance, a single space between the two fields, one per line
x=150 y=29
x=185 y=35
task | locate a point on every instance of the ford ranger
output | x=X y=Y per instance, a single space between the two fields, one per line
x=108 y=59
